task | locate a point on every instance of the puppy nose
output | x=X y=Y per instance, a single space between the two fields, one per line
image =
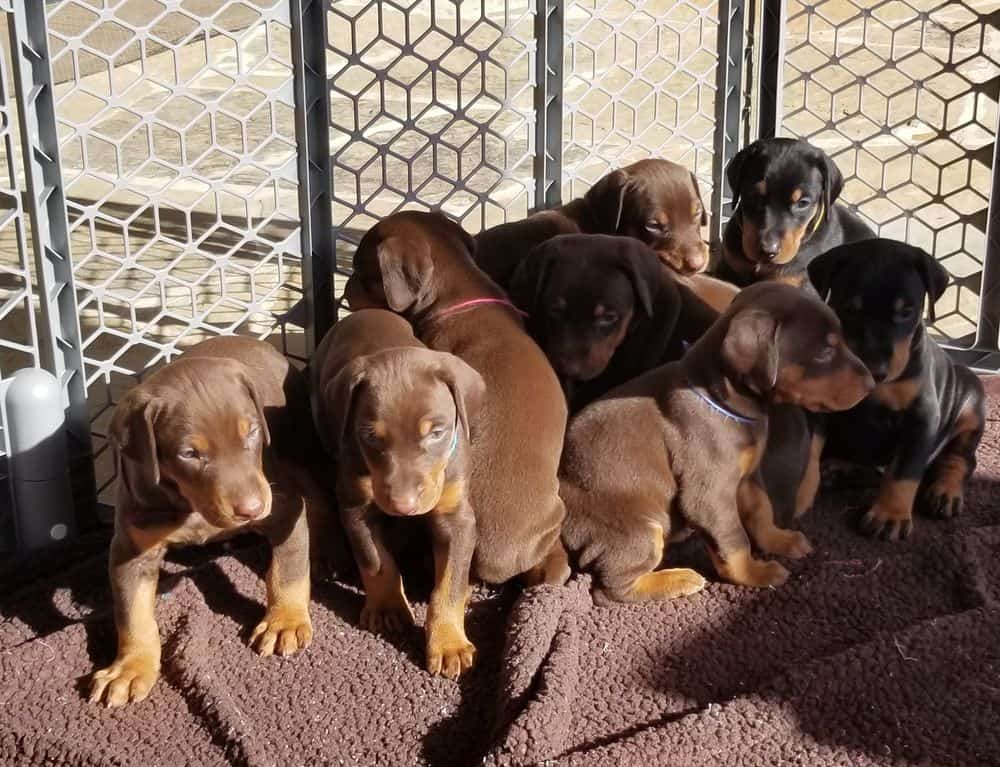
x=405 y=504
x=697 y=262
x=879 y=372
x=250 y=507
x=770 y=248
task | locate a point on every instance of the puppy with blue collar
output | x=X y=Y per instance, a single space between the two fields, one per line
x=396 y=417
x=680 y=447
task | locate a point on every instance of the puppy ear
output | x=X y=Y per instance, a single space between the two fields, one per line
x=750 y=348
x=934 y=275
x=824 y=269
x=527 y=286
x=642 y=268
x=406 y=268
x=133 y=430
x=468 y=388
x=697 y=193
x=833 y=179
x=606 y=200
x=734 y=171
x=340 y=395
x=255 y=398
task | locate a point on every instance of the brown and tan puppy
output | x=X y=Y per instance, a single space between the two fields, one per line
x=681 y=446
x=655 y=201
x=397 y=417
x=211 y=445
x=420 y=265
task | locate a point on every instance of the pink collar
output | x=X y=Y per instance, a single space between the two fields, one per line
x=462 y=306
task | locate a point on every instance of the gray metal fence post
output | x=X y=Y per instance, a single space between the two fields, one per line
x=728 y=106
x=772 y=53
x=987 y=343
x=549 y=30
x=312 y=134
x=61 y=353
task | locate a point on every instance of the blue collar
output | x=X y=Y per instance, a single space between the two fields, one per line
x=722 y=408
x=454 y=441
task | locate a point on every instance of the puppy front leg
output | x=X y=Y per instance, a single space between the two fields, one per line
x=805 y=497
x=944 y=490
x=891 y=516
x=386 y=607
x=286 y=627
x=134 y=575
x=453 y=535
x=758 y=519
x=728 y=545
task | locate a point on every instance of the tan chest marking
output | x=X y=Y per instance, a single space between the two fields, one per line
x=897 y=395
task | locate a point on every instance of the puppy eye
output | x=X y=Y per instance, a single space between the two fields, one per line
x=698 y=214
x=825 y=356
x=607 y=319
x=370 y=438
x=802 y=203
x=190 y=454
x=655 y=227
x=905 y=314
x=436 y=435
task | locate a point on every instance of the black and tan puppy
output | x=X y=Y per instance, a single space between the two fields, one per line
x=785 y=192
x=655 y=201
x=604 y=310
x=680 y=447
x=397 y=417
x=925 y=418
x=214 y=444
x=420 y=265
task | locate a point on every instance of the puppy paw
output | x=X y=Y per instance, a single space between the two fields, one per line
x=887 y=522
x=381 y=619
x=686 y=582
x=791 y=544
x=763 y=574
x=284 y=630
x=943 y=500
x=128 y=680
x=663 y=584
x=450 y=655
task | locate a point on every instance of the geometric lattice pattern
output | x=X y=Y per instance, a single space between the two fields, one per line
x=903 y=95
x=430 y=106
x=640 y=81
x=177 y=140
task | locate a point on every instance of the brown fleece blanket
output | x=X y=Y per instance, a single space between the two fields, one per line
x=874 y=653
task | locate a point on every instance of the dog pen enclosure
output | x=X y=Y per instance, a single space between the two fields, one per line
x=176 y=169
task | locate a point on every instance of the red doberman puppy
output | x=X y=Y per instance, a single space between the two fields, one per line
x=681 y=446
x=214 y=444
x=397 y=417
x=420 y=265
x=655 y=201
